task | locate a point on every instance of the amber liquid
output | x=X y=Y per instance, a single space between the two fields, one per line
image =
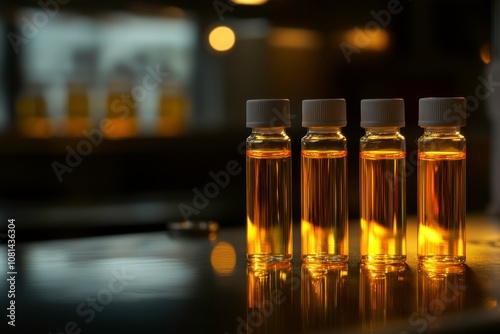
x=441 y=207
x=383 y=206
x=324 y=226
x=269 y=205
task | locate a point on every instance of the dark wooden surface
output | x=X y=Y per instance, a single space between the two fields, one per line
x=158 y=283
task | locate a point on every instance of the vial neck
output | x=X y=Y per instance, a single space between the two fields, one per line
x=323 y=129
x=442 y=130
x=382 y=130
x=268 y=131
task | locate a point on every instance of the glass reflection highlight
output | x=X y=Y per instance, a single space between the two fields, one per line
x=324 y=298
x=383 y=294
x=378 y=40
x=269 y=298
x=441 y=290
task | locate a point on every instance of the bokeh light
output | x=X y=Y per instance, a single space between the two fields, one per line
x=222 y=38
x=223 y=258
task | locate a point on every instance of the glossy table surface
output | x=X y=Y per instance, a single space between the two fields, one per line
x=156 y=282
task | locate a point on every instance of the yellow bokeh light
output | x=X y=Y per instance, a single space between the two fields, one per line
x=223 y=258
x=490 y=303
x=294 y=38
x=222 y=38
x=369 y=39
x=485 y=53
x=249 y=2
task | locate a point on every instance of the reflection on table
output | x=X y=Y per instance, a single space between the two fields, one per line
x=441 y=291
x=270 y=297
x=324 y=296
x=202 y=283
x=383 y=294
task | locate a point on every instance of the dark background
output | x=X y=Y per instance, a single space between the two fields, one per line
x=138 y=183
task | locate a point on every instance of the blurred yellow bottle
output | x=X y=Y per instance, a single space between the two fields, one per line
x=174 y=111
x=121 y=114
x=31 y=114
x=77 y=119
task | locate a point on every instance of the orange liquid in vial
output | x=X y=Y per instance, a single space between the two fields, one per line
x=269 y=205
x=441 y=207
x=383 y=206
x=324 y=226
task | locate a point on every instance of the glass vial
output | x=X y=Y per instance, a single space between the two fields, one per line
x=441 y=181
x=382 y=182
x=269 y=181
x=324 y=204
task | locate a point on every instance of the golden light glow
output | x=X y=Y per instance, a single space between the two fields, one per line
x=379 y=240
x=223 y=258
x=172 y=11
x=490 y=302
x=75 y=126
x=222 y=38
x=485 y=53
x=430 y=234
x=249 y=2
x=294 y=38
x=36 y=127
x=369 y=39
